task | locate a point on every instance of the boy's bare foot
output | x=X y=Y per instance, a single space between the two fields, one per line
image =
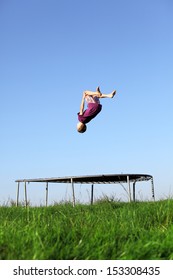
x=113 y=93
x=98 y=89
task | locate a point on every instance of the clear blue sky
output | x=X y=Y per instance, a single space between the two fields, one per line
x=53 y=50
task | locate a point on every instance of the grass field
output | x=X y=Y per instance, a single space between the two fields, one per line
x=106 y=230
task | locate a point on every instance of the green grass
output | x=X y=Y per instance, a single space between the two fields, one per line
x=106 y=230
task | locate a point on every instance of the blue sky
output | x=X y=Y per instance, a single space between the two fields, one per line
x=50 y=52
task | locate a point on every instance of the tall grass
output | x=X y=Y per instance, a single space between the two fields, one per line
x=106 y=230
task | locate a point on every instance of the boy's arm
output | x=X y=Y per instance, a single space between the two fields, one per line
x=82 y=105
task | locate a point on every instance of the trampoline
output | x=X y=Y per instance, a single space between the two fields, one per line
x=89 y=179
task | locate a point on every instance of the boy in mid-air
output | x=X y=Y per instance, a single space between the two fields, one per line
x=93 y=107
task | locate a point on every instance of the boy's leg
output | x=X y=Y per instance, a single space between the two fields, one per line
x=92 y=93
x=110 y=95
x=99 y=94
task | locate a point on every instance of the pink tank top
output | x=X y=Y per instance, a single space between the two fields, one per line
x=92 y=99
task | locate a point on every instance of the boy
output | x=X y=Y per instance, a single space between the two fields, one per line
x=93 y=108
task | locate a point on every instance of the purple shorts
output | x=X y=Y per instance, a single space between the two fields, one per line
x=91 y=112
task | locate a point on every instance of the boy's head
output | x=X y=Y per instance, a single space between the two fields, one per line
x=81 y=127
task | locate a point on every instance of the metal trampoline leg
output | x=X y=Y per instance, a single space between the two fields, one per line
x=26 y=202
x=46 y=193
x=72 y=185
x=152 y=188
x=17 y=196
x=128 y=182
x=134 y=199
x=92 y=193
